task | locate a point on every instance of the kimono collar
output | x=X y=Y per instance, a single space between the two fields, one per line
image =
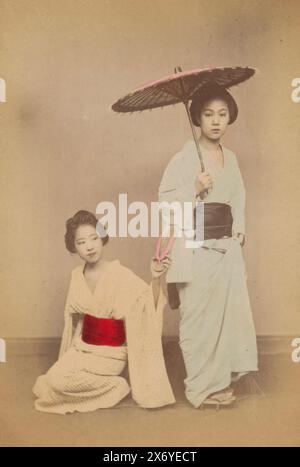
x=103 y=275
x=191 y=151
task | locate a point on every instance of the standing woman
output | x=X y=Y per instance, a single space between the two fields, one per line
x=216 y=335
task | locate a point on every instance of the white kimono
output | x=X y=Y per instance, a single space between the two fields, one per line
x=177 y=184
x=217 y=335
x=87 y=377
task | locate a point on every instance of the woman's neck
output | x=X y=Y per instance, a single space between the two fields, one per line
x=96 y=267
x=209 y=144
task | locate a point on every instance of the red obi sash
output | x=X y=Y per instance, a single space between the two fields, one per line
x=103 y=331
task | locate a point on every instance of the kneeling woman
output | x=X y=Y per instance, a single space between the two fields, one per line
x=118 y=319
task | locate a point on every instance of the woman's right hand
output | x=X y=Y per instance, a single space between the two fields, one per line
x=159 y=268
x=203 y=182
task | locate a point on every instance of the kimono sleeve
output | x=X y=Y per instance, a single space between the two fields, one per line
x=238 y=201
x=173 y=185
x=149 y=381
x=69 y=321
x=175 y=188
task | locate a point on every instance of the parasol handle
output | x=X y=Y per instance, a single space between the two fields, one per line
x=178 y=69
x=195 y=136
x=206 y=192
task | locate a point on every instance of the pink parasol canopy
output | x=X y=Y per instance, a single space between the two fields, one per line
x=180 y=87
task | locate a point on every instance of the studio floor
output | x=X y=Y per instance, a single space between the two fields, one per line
x=267 y=411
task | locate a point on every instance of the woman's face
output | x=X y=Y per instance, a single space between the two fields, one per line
x=88 y=244
x=214 y=118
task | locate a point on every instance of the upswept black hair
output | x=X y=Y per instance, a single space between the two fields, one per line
x=212 y=91
x=82 y=218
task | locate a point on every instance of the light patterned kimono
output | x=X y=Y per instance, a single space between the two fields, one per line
x=87 y=377
x=216 y=334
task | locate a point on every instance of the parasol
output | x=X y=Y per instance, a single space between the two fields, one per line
x=180 y=87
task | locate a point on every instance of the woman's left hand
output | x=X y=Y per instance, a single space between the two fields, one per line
x=240 y=237
x=159 y=268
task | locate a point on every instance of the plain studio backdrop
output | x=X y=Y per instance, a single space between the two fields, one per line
x=64 y=63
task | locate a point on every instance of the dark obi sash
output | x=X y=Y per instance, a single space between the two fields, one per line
x=103 y=331
x=217 y=220
x=217 y=224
